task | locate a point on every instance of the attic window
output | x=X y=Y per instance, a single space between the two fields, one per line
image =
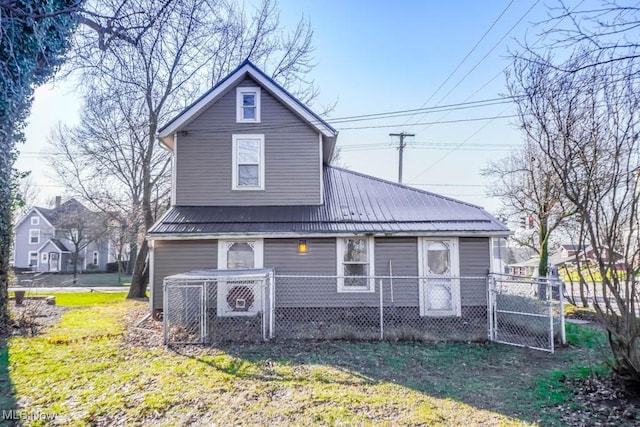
x=248 y=105
x=35 y=220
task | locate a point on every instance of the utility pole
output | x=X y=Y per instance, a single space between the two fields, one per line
x=401 y=146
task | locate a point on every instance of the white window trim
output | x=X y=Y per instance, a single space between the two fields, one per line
x=241 y=91
x=44 y=257
x=223 y=286
x=234 y=162
x=35 y=220
x=371 y=285
x=32 y=234
x=95 y=256
x=455 y=274
x=37 y=258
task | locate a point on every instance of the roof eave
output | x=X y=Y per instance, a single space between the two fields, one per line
x=280 y=234
x=183 y=118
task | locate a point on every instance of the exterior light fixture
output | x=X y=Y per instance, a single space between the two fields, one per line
x=302 y=247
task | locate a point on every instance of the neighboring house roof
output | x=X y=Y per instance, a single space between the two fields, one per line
x=531 y=262
x=247 y=68
x=40 y=211
x=353 y=203
x=57 y=243
x=571 y=247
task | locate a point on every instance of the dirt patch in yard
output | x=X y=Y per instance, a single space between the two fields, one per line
x=601 y=402
x=33 y=316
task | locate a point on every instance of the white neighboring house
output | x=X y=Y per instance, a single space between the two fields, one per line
x=42 y=243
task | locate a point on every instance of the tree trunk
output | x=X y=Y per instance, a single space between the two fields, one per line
x=74 y=258
x=133 y=256
x=6 y=235
x=544 y=261
x=139 y=280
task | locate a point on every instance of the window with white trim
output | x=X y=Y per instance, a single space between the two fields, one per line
x=34 y=236
x=96 y=258
x=44 y=257
x=248 y=104
x=33 y=259
x=248 y=162
x=355 y=264
x=35 y=220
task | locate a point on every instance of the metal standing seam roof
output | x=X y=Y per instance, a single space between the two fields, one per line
x=353 y=203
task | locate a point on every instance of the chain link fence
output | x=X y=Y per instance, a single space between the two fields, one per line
x=381 y=307
x=526 y=311
x=205 y=307
x=215 y=306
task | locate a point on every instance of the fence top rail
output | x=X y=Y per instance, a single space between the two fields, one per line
x=221 y=274
x=309 y=276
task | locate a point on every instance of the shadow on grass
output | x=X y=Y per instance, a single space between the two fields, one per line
x=515 y=382
x=8 y=404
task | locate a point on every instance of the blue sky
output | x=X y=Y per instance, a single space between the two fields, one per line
x=381 y=56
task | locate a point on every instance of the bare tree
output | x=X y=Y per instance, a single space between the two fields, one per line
x=591 y=119
x=526 y=188
x=597 y=33
x=133 y=85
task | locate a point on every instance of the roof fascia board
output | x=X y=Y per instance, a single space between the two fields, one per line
x=185 y=116
x=208 y=236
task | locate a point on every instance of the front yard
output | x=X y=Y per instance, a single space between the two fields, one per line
x=95 y=367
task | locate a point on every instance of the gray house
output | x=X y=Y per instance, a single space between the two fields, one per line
x=252 y=188
x=45 y=239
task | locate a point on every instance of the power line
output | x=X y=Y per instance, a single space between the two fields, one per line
x=490 y=118
x=466 y=56
x=486 y=55
x=483 y=86
x=453 y=149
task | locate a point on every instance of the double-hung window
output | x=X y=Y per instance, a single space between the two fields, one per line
x=248 y=105
x=355 y=264
x=34 y=236
x=248 y=162
x=33 y=259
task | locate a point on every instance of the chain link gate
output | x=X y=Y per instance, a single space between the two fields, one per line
x=523 y=311
x=212 y=306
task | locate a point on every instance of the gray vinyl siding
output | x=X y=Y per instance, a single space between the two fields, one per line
x=173 y=257
x=320 y=260
x=403 y=254
x=474 y=262
x=204 y=156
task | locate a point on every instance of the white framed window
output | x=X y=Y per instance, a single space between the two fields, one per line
x=234 y=297
x=355 y=264
x=248 y=162
x=44 y=257
x=95 y=259
x=248 y=105
x=33 y=259
x=439 y=271
x=34 y=236
x=35 y=220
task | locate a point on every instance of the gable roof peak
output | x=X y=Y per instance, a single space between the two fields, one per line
x=246 y=67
